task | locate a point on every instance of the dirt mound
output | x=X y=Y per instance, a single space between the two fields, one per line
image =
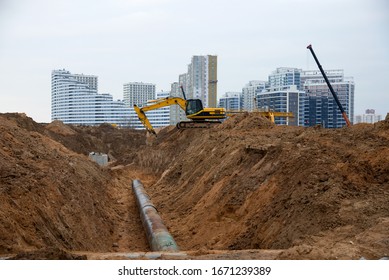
x=383 y=125
x=275 y=188
x=246 y=121
x=119 y=143
x=52 y=196
x=59 y=127
x=23 y=121
x=312 y=193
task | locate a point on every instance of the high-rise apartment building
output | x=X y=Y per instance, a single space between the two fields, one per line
x=315 y=76
x=75 y=100
x=212 y=80
x=199 y=82
x=306 y=94
x=90 y=80
x=160 y=117
x=137 y=93
x=321 y=107
x=183 y=85
x=202 y=79
x=283 y=94
x=283 y=77
x=177 y=114
x=231 y=101
x=288 y=99
x=249 y=94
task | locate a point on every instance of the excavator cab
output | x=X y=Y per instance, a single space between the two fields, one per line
x=193 y=106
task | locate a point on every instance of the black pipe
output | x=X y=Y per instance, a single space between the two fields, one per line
x=330 y=87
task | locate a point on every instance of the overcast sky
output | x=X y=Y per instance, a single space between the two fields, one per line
x=153 y=41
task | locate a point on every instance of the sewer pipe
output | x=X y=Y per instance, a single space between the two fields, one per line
x=157 y=234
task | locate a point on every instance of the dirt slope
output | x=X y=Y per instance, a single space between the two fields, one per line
x=313 y=193
x=51 y=196
x=243 y=187
x=119 y=144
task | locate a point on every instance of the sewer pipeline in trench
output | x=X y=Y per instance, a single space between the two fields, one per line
x=162 y=243
x=158 y=236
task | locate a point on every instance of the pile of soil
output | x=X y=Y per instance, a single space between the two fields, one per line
x=119 y=144
x=246 y=121
x=316 y=193
x=246 y=184
x=51 y=196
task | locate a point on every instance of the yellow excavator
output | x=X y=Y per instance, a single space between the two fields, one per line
x=200 y=117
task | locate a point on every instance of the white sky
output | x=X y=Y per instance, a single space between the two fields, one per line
x=153 y=41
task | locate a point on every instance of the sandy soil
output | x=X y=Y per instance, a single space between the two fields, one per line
x=245 y=187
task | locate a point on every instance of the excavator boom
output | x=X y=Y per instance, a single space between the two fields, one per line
x=156 y=104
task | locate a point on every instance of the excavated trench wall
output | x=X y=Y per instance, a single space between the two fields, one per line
x=249 y=185
x=246 y=184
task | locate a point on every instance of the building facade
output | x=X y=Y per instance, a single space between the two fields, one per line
x=283 y=94
x=177 y=114
x=283 y=77
x=231 y=101
x=315 y=76
x=75 y=100
x=368 y=117
x=321 y=107
x=201 y=80
x=137 y=93
x=306 y=94
x=284 y=100
x=161 y=116
x=249 y=94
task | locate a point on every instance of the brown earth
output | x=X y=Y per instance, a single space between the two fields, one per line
x=51 y=196
x=243 y=186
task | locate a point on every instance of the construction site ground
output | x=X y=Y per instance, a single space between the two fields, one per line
x=244 y=189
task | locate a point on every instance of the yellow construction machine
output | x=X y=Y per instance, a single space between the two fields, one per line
x=200 y=117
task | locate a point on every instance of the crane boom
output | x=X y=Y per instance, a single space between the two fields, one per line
x=330 y=87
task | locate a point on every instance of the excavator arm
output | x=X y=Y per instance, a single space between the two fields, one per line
x=154 y=105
